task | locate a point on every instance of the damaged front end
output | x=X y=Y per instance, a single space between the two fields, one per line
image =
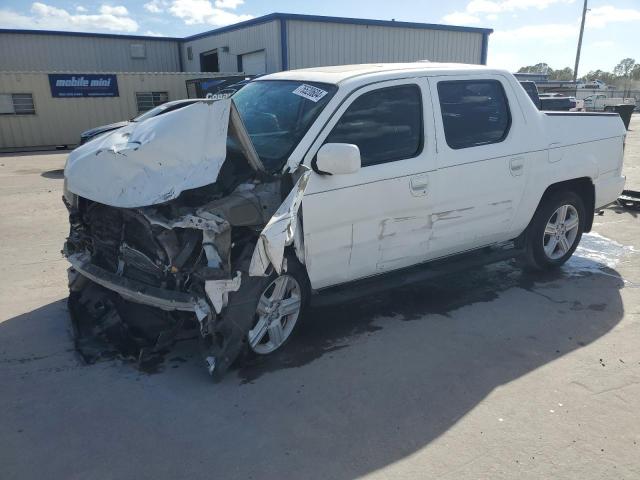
x=185 y=245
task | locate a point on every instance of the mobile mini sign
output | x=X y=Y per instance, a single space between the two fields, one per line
x=83 y=85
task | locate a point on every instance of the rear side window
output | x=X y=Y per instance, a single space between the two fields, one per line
x=474 y=112
x=385 y=124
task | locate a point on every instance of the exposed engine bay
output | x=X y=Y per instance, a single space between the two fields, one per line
x=146 y=266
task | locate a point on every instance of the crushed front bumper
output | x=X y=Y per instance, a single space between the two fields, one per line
x=137 y=291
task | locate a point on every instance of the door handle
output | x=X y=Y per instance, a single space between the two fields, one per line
x=419 y=184
x=516 y=166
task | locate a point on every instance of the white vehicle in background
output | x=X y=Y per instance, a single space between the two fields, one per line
x=599 y=102
x=231 y=214
x=593 y=85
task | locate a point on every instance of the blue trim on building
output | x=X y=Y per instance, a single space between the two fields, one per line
x=88 y=34
x=282 y=18
x=284 y=45
x=264 y=19
x=485 y=48
x=235 y=26
x=382 y=23
x=343 y=20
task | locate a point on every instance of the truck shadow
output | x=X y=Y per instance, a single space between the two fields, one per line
x=329 y=329
x=362 y=385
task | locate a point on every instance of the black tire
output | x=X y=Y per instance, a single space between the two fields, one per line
x=240 y=316
x=535 y=239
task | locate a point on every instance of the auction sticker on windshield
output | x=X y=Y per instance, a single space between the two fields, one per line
x=310 y=92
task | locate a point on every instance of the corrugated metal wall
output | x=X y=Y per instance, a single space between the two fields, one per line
x=59 y=121
x=309 y=43
x=41 y=52
x=265 y=36
x=312 y=44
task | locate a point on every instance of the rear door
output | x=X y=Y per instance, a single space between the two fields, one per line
x=376 y=219
x=483 y=161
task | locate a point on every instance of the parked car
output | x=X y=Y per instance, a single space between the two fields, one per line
x=557 y=102
x=217 y=86
x=159 y=110
x=320 y=184
x=232 y=89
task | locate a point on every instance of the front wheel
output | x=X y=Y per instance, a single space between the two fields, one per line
x=555 y=231
x=259 y=318
x=279 y=307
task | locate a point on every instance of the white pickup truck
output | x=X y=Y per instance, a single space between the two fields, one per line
x=229 y=215
x=599 y=102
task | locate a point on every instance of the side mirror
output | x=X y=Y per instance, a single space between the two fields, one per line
x=337 y=159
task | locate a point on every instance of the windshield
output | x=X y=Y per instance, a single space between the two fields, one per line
x=277 y=114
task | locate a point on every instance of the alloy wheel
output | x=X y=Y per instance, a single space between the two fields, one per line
x=277 y=313
x=561 y=232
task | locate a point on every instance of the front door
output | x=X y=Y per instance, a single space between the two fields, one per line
x=379 y=218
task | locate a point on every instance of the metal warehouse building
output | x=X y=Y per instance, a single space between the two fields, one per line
x=285 y=41
x=155 y=69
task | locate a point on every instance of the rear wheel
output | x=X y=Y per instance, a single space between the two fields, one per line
x=555 y=230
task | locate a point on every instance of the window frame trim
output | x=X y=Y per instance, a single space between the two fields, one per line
x=421 y=143
x=151 y=93
x=20 y=114
x=507 y=131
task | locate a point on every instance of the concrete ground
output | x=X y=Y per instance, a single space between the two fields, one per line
x=491 y=374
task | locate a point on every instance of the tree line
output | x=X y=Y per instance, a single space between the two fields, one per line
x=627 y=69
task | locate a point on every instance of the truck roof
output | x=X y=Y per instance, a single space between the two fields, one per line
x=338 y=74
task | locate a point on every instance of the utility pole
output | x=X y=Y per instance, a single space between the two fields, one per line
x=584 y=15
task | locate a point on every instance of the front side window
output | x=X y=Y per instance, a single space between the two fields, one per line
x=278 y=113
x=147 y=100
x=385 y=124
x=474 y=112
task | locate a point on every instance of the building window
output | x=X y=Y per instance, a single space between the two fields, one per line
x=189 y=53
x=147 y=100
x=385 y=124
x=474 y=112
x=16 y=104
x=138 y=50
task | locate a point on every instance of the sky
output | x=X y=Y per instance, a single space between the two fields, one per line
x=526 y=32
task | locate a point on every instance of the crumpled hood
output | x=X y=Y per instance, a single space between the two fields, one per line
x=153 y=161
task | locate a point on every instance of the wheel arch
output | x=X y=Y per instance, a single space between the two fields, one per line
x=582 y=186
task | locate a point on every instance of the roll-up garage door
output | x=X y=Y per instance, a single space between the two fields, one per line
x=254 y=63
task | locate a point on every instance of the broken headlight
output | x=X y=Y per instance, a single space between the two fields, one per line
x=70 y=198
